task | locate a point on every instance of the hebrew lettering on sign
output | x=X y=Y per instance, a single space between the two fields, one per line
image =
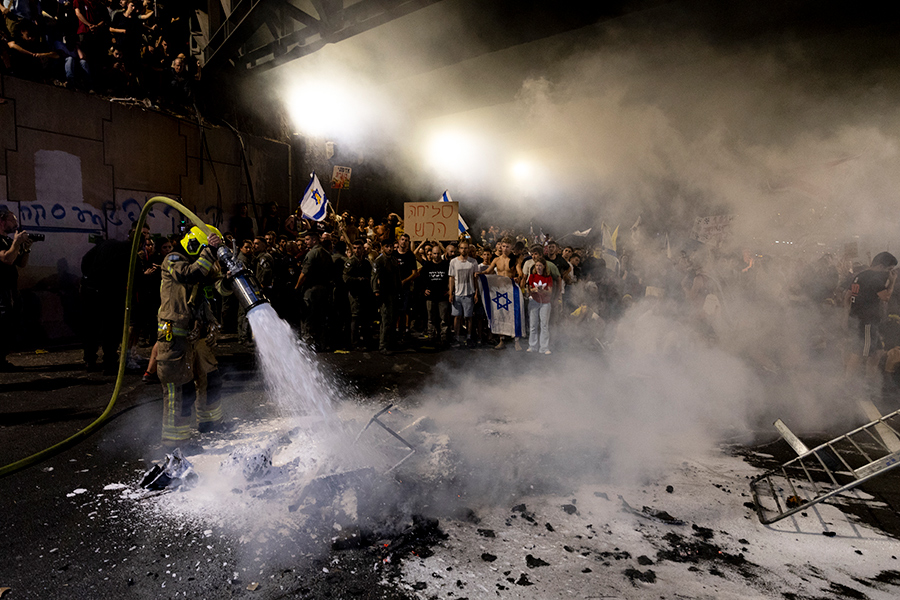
x=415 y=210
x=431 y=220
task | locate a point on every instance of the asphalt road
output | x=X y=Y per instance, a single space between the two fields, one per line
x=56 y=543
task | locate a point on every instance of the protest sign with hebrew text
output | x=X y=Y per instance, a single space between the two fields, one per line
x=431 y=220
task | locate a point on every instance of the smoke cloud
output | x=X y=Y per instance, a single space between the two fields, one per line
x=544 y=424
x=780 y=115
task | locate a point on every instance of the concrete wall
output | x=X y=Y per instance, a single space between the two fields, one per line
x=73 y=165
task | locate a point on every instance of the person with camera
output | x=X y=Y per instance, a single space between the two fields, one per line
x=14 y=251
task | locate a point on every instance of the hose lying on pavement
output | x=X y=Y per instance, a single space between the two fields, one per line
x=123 y=354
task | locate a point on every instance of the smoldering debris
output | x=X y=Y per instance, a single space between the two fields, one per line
x=660 y=516
x=418 y=538
x=533 y=562
x=174 y=472
x=252 y=460
x=392 y=528
x=634 y=575
x=701 y=549
x=280 y=494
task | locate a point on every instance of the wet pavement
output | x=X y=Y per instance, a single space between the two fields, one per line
x=77 y=526
x=66 y=535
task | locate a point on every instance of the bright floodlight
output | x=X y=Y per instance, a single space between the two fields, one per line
x=324 y=109
x=452 y=151
x=522 y=170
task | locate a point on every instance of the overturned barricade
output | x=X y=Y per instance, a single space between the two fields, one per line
x=835 y=467
x=374 y=419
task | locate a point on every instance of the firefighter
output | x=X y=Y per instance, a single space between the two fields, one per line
x=187 y=368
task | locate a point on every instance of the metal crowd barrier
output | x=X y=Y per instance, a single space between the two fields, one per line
x=833 y=468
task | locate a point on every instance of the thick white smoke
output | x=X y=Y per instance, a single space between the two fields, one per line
x=790 y=128
x=793 y=132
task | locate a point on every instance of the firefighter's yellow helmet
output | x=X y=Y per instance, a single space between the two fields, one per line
x=194 y=240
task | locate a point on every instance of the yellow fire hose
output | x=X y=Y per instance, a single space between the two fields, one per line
x=123 y=355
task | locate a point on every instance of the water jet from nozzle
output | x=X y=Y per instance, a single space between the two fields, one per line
x=244 y=284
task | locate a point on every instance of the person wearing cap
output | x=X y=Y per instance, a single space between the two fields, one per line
x=187 y=368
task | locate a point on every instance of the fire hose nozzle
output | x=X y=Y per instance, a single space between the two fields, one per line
x=245 y=285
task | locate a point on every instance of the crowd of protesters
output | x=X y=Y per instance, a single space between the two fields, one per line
x=360 y=284
x=121 y=48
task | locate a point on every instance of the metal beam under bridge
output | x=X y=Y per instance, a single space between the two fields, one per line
x=257 y=35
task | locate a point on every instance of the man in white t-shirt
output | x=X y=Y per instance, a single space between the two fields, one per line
x=463 y=290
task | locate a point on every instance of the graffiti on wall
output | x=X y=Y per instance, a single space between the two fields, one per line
x=114 y=219
x=38 y=217
x=60 y=205
x=162 y=218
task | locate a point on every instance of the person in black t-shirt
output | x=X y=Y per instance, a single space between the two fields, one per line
x=435 y=274
x=408 y=270
x=558 y=259
x=869 y=291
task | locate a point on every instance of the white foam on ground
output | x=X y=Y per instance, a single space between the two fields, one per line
x=792 y=555
x=710 y=488
x=227 y=499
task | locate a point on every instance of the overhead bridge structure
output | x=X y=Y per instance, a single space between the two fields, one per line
x=258 y=35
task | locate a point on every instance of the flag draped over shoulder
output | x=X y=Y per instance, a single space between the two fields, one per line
x=503 y=303
x=445 y=197
x=314 y=204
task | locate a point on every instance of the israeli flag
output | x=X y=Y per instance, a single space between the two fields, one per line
x=445 y=197
x=314 y=203
x=608 y=242
x=504 y=305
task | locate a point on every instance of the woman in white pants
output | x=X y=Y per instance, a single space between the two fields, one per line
x=540 y=288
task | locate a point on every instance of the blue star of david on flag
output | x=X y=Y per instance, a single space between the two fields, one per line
x=502 y=301
x=503 y=304
x=314 y=203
